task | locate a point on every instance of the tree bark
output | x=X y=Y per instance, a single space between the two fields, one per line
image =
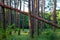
x=15 y=16
x=42 y=13
x=54 y=13
x=23 y=16
x=3 y=21
x=19 y=19
x=36 y=10
x=9 y=15
x=30 y=19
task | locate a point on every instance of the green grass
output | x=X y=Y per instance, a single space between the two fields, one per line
x=48 y=34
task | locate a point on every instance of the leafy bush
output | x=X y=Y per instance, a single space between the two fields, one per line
x=50 y=35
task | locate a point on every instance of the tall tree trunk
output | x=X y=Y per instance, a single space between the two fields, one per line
x=30 y=19
x=54 y=13
x=42 y=13
x=23 y=15
x=19 y=24
x=36 y=10
x=3 y=21
x=19 y=19
x=9 y=15
x=6 y=12
x=15 y=16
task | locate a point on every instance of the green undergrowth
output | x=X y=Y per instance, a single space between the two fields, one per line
x=47 y=34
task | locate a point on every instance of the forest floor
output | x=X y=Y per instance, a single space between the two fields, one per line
x=24 y=35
